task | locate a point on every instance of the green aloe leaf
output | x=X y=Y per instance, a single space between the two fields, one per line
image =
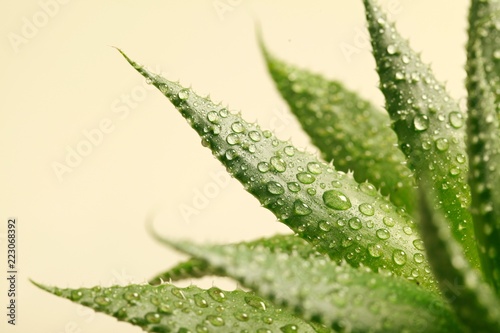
x=196 y=267
x=484 y=33
x=472 y=299
x=346 y=128
x=326 y=207
x=429 y=124
x=484 y=142
x=337 y=295
x=191 y=268
x=166 y=308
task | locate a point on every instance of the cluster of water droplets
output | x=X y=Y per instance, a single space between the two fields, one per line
x=165 y=307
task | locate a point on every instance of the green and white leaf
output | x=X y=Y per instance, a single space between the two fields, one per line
x=472 y=299
x=166 y=308
x=324 y=206
x=348 y=130
x=339 y=296
x=428 y=122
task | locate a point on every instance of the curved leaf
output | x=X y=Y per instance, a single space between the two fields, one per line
x=166 y=308
x=429 y=124
x=348 y=130
x=324 y=206
x=339 y=296
x=484 y=137
x=191 y=268
x=473 y=300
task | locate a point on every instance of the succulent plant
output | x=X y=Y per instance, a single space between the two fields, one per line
x=396 y=226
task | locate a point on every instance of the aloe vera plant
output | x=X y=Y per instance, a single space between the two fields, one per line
x=396 y=226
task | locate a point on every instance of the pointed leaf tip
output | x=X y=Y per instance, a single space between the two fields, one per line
x=429 y=124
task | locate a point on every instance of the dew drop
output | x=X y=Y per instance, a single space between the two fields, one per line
x=216 y=294
x=178 y=293
x=367 y=188
x=183 y=94
x=456 y=119
x=131 y=296
x=399 y=257
x=231 y=154
x=200 y=301
x=391 y=49
x=325 y=226
x=278 y=164
x=388 y=221
x=336 y=200
x=233 y=139
x=311 y=191
x=355 y=223
x=201 y=329
x=289 y=150
x=212 y=117
x=254 y=136
x=314 y=168
x=223 y=113
x=153 y=318
x=275 y=188
x=375 y=250
x=419 y=244
x=102 y=300
x=442 y=144
x=291 y=328
x=215 y=320
x=407 y=230
x=293 y=186
x=399 y=76
x=241 y=316
x=305 y=178
x=255 y=302
x=237 y=127
x=76 y=295
x=366 y=209
x=383 y=234
x=421 y=122
x=301 y=208
x=263 y=167
x=419 y=258
x=267 y=320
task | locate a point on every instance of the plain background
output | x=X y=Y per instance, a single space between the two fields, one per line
x=87 y=226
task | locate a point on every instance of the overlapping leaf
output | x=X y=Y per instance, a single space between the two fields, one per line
x=484 y=136
x=346 y=128
x=429 y=124
x=473 y=300
x=341 y=297
x=166 y=308
x=196 y=267
x=325 y=206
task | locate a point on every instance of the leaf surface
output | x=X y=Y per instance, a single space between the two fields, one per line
x=472 y=299
x=348 y=130
x=324 y=206
x=337 y=295
x=166 y=308
x=428 y=122
x=484 y=136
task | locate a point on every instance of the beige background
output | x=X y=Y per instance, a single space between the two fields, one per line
x=86 y=227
